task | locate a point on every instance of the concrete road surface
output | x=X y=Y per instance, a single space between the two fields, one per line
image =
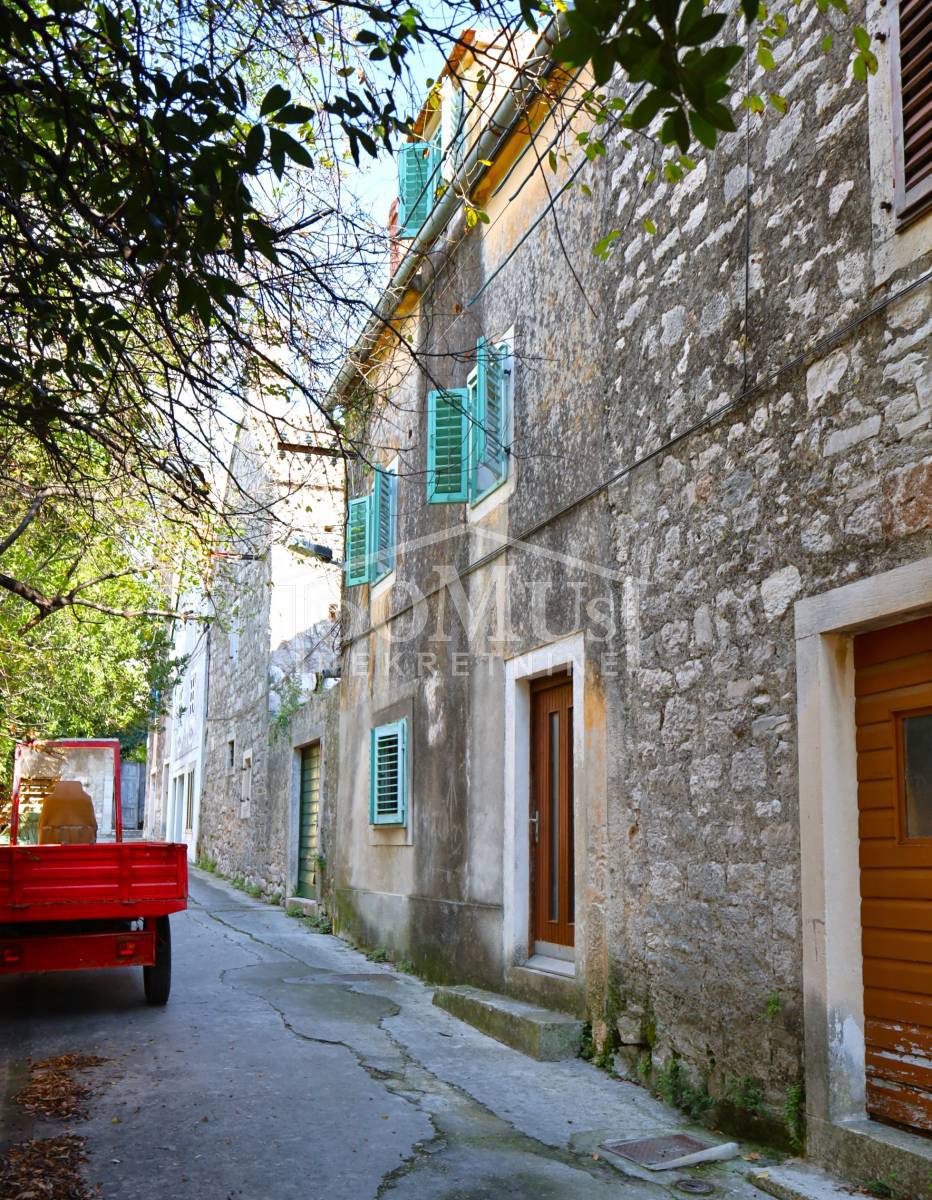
x=287 y=1065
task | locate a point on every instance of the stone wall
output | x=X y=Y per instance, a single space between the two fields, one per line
x=273 y=653
x=718 y=420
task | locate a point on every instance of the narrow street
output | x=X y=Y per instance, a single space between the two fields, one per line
x=287 y=1065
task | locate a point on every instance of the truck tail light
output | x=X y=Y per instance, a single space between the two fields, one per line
x=126 y=948
x=9 y=955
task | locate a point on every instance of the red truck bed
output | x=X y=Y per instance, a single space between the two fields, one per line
x=103 y=881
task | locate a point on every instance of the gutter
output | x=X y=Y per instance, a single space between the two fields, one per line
x=497 y=130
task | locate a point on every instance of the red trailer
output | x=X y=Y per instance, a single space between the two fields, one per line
x=74 y=894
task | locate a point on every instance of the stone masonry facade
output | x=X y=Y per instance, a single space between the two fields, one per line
x=721 y=419
x=273 y=662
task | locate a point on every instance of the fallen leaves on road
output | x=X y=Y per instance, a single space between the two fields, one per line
x=53 y=1091
x=46 y=1169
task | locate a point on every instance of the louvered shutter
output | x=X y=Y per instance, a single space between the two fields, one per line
x=451 y=123
x=357 y=541
x=913 y=107
x=388 y=777
x=417 y=168
x=382 y=523
x=489 y=406
x=447 y=446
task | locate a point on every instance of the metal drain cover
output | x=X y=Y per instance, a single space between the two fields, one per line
x=658 y=1151
x=694 y=1187
x=671 y=1151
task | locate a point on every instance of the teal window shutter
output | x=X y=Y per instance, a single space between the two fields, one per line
x=358 y=519
x=489 y=408
x=447 y=446
x=388 y=775
x=417 y=182
x=383 y=523
x=452 y=125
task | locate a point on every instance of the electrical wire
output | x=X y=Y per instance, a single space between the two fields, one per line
x=815 y=351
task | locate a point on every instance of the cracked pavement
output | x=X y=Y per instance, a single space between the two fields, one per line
x=287 y=1065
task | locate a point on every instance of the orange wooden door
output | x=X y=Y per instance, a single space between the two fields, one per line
x=553 y=899
x=893 y=688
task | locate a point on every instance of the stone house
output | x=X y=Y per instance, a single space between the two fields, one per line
x=274 y=664
x=636 y=623
x=175 y=749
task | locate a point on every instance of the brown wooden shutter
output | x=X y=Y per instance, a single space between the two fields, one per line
x=912 y=100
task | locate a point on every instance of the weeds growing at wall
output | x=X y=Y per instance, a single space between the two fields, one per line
x=672 y=1085
x=794 y=1115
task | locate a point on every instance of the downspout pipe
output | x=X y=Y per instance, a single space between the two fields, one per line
x=497 y=129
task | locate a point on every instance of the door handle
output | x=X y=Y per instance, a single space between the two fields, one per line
x=535 y=821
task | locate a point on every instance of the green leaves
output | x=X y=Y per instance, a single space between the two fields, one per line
x=864 y=62
x=603 y=246
x=275 y=98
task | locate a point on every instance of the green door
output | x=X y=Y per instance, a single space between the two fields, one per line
x=307 y=829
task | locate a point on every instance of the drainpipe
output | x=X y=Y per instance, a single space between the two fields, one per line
x=497 y=130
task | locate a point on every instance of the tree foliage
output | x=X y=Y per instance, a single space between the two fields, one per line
x=101 y=664
x=179 y=241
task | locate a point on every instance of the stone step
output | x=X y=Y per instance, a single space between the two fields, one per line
x=300 y=906
x=799 y=1181
x=534 y=1031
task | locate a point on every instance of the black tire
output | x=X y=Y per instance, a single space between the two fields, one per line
x=157 y=979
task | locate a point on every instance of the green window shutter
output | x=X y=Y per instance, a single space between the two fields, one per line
x=388 y=775
x=452 y=125
x=447 y=446
x=417 y=170
x=357 y=541
x=489 y=408
x=383 y=523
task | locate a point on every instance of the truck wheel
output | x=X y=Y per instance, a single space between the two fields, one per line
x=157 y=979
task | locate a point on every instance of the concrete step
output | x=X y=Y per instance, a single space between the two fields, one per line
x=534 y=1031
x=799 y=1181
x=300 y=906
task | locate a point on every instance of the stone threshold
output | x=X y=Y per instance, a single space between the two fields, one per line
x=538 y=1032
x=547 y=965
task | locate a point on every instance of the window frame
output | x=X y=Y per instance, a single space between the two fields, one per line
x=407 y=228
x=189 y=803
x=378 y=571
x=916 y=201
x=451 y=397
x=245 y=795
x=379 y=560
x=399 y=819
x=503 y=350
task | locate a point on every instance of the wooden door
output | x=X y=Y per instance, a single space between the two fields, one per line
x=551 y=824
x=893 y=688
x=307 y=821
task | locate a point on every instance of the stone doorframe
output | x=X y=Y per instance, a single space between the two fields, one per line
x=567 y=653
x=839 y=1132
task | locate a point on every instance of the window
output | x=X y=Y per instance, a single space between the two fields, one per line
x=371 y=523
x=911 y=114
x=189 y=804
x=452 y=127
x=418 y=165
x=915 y=739
x=388 y=776
x=245 y=803
x=468 y=431
x=231 y=754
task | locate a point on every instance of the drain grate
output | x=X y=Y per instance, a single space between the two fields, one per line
x=654 y=1152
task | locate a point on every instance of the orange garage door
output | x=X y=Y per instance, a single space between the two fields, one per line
x=893 y=685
